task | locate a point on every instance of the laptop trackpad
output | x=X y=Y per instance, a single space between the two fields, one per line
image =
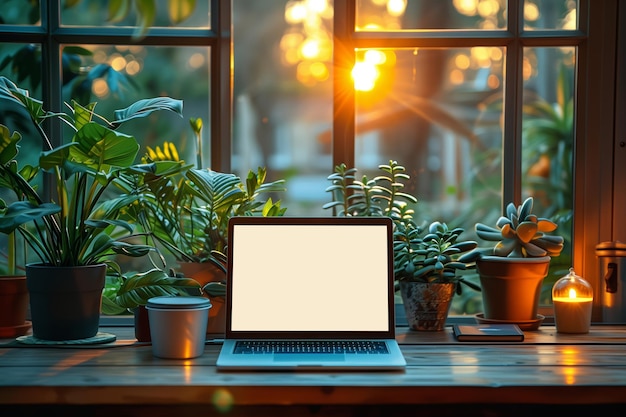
x=309 y=358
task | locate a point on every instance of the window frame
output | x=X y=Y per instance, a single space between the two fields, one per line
x=598 y=202
x=594 y=218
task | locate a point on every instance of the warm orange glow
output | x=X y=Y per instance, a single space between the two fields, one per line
x=462 y=61
x=495 y=54
x=493 y=81
x=466 y=7
x=570 y=20
x=291 y=57
x=73 y=360
x=118 y=62
x=527 y=69
x=457 y=77
x=295 y=12
x=531 y=12
x=482 y=56
x=223 y=400
x=196 y=60
x=291 y=41
x=572 y=293
x=317 y=6
x=375 y=57
x=365 y=75
x=309 y=49
x=133 y=67
x=319 y=71
x=488 y=8
x=396 y=7
x=100 y=88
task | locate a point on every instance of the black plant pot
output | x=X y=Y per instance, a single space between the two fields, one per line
x=65 y=301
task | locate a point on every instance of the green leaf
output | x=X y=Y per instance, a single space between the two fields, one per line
x=101 y=148
x=118 y=10
x=8 y=144
x=22 y=212
x=138 y=288
x=143 y=108
x=526 y=209
x=180 y=10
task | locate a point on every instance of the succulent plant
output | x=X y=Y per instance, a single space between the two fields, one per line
x=519 y=234
x=378 y=196
x=433 y=257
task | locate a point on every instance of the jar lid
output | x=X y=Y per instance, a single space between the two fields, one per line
x=615 y=248
x=173 y=302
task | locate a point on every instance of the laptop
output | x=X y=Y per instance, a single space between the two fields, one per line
x=310 y=293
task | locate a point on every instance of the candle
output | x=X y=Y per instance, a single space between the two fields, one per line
x=572 y=314
x=572 y=298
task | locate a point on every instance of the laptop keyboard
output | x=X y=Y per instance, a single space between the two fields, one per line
x=311 y=346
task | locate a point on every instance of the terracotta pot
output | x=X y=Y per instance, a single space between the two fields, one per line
x=13 y=306
x=65 y=301
x=511 y=287
x=427 y=304
x=205 y=273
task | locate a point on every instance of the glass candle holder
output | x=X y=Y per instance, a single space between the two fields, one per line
x=572 y=298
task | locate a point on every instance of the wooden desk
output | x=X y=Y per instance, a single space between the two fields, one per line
x=548 y=371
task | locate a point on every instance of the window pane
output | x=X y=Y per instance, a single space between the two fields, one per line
x=283 y=98
x=393 y=15
x=101 y=13
x=547 y=145
x=423 y=111
x=19 y=12
x=550 y=14
x=21 y=63
x=117 y=76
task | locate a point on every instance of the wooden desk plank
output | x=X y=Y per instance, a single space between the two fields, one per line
x=547 y=368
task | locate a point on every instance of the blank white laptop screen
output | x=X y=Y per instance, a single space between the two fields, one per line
x=310 y=293
x=309 y=278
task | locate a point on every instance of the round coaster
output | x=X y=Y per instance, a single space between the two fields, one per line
x=100 y=337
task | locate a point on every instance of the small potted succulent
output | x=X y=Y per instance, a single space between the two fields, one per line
x=512 y=271
x=427 y=271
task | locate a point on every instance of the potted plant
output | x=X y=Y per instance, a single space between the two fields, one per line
x=134 y=289
x=424 y=266
x=426 y=271
x=511 y=272
x=75 y=239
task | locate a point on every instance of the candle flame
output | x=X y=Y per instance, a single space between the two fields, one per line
x=572 y=293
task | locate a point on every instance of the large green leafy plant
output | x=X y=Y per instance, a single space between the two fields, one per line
x=187 y=210
x=73 y=227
